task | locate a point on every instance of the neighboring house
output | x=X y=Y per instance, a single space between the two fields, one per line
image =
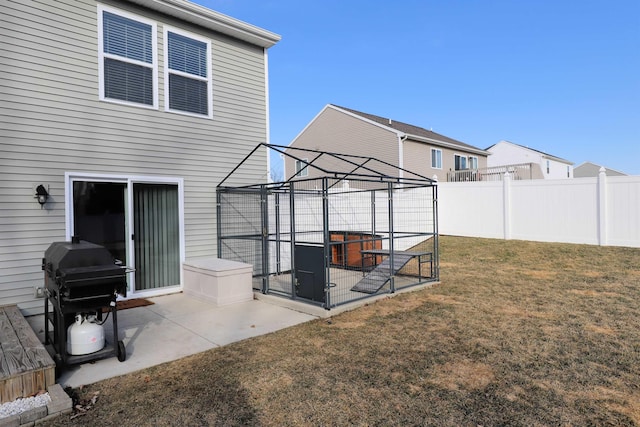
x=588 y=169
x=343 y=130
x=127 y=114
x=527 y=162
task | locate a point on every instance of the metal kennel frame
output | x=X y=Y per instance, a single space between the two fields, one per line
x=349 y=228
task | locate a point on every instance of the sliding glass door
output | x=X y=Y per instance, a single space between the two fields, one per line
x=100 y=215
x=156 y=235
x=138 y=221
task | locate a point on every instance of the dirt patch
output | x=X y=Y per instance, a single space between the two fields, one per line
x=442 y=299
x=540 y=274
x=446 y=265
x=520 y=312
x=592 y=274
x=593 y=293
x=515 y=393
x=614 y=399
x=600 y=329
x=463 y=375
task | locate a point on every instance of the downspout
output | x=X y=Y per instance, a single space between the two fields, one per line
x=401 y=140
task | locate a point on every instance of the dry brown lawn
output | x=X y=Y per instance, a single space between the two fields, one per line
x=517 y=333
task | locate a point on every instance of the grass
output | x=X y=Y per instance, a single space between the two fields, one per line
x=517 y=333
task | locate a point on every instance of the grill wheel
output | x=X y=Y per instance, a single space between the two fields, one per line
x=122 y=353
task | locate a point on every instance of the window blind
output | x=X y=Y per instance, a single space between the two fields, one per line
x=124 y=41
x=188 y=74
x=187 y=55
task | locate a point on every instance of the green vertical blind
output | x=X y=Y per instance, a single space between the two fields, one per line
x=156 y=235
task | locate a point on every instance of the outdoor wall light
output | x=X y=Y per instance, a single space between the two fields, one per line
x=42 y=195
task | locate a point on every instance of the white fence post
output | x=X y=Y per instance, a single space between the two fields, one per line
x=506 y=204
x=602 y=207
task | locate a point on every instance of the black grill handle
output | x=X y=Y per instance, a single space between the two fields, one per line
x=47 y=266
x=89 y=298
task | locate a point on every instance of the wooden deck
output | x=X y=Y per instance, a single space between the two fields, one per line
x=25 y=365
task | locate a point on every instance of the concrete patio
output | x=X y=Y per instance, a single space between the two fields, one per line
x=177 y=325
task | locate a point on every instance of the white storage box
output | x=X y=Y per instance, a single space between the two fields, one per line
x=219 y=281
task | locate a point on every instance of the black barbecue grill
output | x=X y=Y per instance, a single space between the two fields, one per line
x=81 y=278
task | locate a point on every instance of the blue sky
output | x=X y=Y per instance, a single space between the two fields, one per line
x=562 y=77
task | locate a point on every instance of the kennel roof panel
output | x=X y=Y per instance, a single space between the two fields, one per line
x=308 y=164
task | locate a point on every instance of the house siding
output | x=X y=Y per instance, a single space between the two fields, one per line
x=52 y=122
x=338 y=132
x=417 y=158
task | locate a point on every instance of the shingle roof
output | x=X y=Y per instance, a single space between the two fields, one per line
x=409 y=129
x=213 y=20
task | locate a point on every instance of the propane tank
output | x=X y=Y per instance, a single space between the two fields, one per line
x=84 y=336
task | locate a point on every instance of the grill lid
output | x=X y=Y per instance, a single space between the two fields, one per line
x=76 y=260
x=77 y=253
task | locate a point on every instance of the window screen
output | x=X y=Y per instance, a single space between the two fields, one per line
x=301 y=167
x=436 y=158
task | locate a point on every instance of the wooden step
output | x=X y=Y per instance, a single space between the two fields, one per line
x=25 y=366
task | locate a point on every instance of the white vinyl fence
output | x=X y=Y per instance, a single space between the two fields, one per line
x=597 y=211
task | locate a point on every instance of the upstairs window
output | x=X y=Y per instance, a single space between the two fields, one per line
x=436 y=158
x=301 y=167
x=187 y=73
x=127 y=59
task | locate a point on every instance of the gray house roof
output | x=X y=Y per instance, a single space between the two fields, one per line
x=212 y=20
x=415 y=132
x=545 y=155
x=590 y=169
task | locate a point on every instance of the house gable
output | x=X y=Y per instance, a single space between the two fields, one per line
x=333 y=130
x=525 y=152
x=505 y=153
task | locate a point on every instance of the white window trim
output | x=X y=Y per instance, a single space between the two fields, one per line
x=102 y=55
x=70 y=177
x=462 y=156
x=432 y=166
x=304 y=171
x=208 y=79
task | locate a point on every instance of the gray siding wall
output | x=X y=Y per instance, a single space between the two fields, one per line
x=52 y=122
x=337 y=132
